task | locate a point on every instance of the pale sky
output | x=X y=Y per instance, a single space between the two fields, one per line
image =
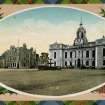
x=43 y=26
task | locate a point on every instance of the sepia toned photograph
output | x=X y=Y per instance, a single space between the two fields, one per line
x=52 y=50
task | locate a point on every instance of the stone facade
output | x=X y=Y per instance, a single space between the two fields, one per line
x=81 y=54
x=19 y=57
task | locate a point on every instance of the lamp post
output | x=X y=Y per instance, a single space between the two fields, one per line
x=50 y=62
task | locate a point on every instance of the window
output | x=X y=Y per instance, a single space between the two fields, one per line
x=54 y=63
x=9 y=65
x=70 y=54
x=75 y=54
x=93 y=63
x=82 y=34
x=87 y=54
x=13 y=64
x=65 y=63
x=104 y=52
x=93 y=53
x=87 y=63
x=104 y=62
x=78 y=53
x=70 y=63
x=65 y=54
x=24 y=64
x=54 y=55
x=82 y=54
x=75 y=62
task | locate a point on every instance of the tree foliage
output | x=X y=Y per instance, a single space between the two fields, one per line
x=102 y=12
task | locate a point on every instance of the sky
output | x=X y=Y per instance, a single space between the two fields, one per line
x=40 y=27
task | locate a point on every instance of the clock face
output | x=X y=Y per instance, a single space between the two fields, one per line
x=79 y=40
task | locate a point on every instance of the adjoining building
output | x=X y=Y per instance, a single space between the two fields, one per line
x=81 y=54
x=19 y=57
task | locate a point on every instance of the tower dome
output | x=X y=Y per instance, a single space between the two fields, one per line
x=80 y=35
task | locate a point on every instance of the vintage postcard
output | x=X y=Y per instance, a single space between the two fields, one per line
x=52 y=52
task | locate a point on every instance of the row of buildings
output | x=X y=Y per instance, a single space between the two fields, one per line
x=22 y=58
x=81 y=54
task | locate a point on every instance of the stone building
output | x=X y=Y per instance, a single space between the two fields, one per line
x=19 y=57
x=81 y=54
x=1 y=62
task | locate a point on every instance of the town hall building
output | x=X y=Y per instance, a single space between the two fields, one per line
x=81 y=54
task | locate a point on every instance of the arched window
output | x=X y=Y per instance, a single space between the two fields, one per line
x=104 y=62
x=87 y=63
x=82 y=34
x=71 y=54
x=65 y=54
x=93 y=63
x=54 y=63
x=103 y=51
x=93 y=53
x=87 y=54
x=54 y=55
x=70 y=63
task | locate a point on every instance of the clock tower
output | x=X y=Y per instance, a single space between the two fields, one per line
x=80 y=36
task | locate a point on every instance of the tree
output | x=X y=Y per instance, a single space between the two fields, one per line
x=27 y=1
x=79 y=1
x=4 y=91
x=30 y=1
x=1 y=14
x=15 y=1
x=102 y=12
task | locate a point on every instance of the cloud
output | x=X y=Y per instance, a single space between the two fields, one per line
x=40 y=34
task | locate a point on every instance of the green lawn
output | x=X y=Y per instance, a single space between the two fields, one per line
x=52 y=82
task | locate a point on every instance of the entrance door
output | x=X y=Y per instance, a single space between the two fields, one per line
x=78 y=63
